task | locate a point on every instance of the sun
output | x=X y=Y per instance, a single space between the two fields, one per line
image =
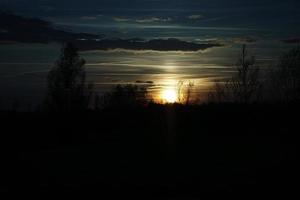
x=169 y=95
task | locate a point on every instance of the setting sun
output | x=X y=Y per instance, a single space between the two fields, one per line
x=169 y=95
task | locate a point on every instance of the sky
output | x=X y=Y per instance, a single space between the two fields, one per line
x=263 y=25
x=124 y=18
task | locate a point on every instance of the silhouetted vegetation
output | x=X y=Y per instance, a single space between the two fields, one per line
x=285 y=78
x=67 y=87
x=282 y=84
x=131 y=146
x=244 y=87
x=159 y=151
x=128 y=96
x=186 y=93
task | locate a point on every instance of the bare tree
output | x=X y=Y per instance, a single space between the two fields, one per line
x=180 y=95
x=219 y=93
x=245 y=86
x=189 y=92
x=185 y=92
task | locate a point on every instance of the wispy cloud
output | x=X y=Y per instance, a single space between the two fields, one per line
x=244 y=40
x=195 y=17
x=121 y=19
x=142 y=20
x=154 y=19
x=151 y=26
x=207 y=40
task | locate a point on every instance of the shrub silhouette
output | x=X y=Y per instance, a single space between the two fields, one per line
x=244 y=87
x=67 y=89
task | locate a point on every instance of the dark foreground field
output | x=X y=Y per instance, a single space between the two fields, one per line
x=172 y=152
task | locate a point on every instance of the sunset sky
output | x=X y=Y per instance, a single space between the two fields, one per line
x=269 y=27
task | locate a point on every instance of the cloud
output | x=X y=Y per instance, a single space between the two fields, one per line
x=144 y=82
x=170 y=44
x=207 y=39
x=195 y=17
x=244 y=40
x=154 y=19
x=12 y=26
x=121 y=19
x=142 y=20
x=12 y=29
x=295 y=40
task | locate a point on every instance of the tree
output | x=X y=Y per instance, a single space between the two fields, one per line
x=245 y=86
x=185 y=92
x=127 y=96
x=285 y=78
x=67 y=89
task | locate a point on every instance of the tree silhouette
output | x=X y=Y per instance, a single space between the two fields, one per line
x=127 y=96
x=285 y=78
x=67 y=89
x=245 y=86
x=185 y=92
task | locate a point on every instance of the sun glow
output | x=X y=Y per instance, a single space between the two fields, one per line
x=169 y=95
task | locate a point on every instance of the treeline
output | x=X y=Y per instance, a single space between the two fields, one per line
x=280 y=84
x=68 y=90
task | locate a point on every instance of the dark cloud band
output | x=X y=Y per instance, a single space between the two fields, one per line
x=170 y=44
